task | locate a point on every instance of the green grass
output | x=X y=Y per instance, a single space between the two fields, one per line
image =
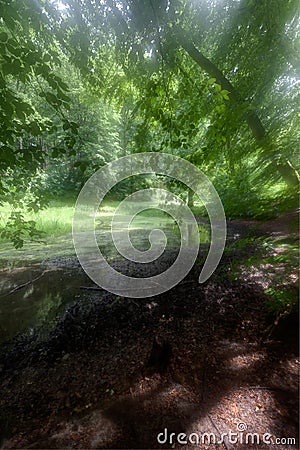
x=55 y=223
x=275 y=263
x=55 y=220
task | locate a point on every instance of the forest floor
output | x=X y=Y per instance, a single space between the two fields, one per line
x=211 y=358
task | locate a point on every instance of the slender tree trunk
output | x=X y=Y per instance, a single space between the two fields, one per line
x=190 y=198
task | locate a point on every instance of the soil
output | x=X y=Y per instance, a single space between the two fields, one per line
x=115 y=372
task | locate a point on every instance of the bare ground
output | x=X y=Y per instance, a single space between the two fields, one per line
x=93 y=383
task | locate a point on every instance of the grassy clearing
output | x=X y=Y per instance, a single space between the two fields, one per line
x=55 y=223
x=55 y=220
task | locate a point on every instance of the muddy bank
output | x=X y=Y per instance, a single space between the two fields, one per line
x=34 y=293
x=88 y=382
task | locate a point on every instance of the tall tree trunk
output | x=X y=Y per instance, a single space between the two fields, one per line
x=190 y=198
x=285 y=169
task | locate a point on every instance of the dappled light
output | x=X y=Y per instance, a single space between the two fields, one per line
x=149 y=224
x=218 y=376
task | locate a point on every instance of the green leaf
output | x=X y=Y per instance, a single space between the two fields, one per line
x=9 y=11
x=20 y=114
x=47 y=57
x=74 y=126
x=62 y=96
x=66 y=125
x=52 y=99
x=14 y=49
x=8 y=109
x=12 y=67
x=225 y=93
x=32 y=57
x=7 y=154
x=26 y=107
x=61 y=83
x=3 y=36
x=34 y=128
x=52 y=83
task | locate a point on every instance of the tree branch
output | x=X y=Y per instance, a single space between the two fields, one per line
x=252 y=119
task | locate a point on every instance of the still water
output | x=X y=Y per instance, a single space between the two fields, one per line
x=40 y=280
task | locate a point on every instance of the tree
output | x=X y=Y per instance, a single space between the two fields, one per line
x=186 y=77
x=242 y=34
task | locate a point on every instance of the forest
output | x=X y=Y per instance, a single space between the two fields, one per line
x=149 y=224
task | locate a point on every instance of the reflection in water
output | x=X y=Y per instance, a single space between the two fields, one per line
x=38 y=303
x=139 y=231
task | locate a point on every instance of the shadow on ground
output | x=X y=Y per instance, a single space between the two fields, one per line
x=90 y=385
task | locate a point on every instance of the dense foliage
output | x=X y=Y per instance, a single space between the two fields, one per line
x=84 y=82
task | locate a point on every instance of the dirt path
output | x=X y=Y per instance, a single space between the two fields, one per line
x=93 y=384
x=286 y=224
